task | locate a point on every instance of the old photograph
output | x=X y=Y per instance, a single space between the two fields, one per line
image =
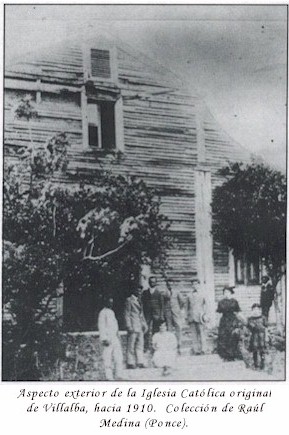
x=144 y=193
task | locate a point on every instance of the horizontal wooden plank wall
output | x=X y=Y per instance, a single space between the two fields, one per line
x=220 y=149
x=160 y=137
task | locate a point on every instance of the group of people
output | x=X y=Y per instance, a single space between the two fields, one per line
x=232 y=324
x=154 y=320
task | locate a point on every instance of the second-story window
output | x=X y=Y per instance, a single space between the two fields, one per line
x=94 y=125
x=101 y=100
x=101 y=125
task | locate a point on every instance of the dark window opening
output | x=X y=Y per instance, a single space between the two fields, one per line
x=107 y=125
x=93 y=135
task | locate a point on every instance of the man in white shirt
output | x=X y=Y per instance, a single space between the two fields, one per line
x=109 y=338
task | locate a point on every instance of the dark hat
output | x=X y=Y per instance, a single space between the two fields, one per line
x=230 y=288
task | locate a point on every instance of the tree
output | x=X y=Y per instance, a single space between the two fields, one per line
x=249 y=214
x=31 y=262
x=65 y=234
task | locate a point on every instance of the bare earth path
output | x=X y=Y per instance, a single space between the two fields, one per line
x=204 y=368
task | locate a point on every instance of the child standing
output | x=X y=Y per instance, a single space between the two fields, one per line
x=165 y=349
x=257 y=325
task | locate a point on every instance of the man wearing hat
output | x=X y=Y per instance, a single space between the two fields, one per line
x=197 y=318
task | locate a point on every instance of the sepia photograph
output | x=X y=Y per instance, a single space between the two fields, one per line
x=144 y=193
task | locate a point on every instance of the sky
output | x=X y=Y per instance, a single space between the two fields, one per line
x=235 y=57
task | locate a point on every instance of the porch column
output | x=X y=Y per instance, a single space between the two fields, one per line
x=204 y=240
x=203 y=217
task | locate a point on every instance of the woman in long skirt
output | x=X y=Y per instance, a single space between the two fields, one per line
x=228 y=339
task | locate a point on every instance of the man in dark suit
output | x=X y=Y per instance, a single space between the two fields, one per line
x=266 y=296
x=153 y=307
x=136 y=327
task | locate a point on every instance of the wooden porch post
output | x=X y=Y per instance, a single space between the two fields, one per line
x=204 y=241
x=203 y=218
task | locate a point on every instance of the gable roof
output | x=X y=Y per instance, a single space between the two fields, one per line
x=63 y=62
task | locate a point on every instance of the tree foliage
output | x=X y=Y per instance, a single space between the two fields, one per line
x=74 y=234
x=249 y=211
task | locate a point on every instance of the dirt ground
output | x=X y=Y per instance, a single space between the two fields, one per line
x=209 y=368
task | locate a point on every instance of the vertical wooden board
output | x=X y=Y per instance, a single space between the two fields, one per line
x=204 y=244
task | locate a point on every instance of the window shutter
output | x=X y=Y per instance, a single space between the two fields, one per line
x=100 y=63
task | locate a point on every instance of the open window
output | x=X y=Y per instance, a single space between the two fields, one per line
x=101 y=125
x=94 y=125
x=102 y=119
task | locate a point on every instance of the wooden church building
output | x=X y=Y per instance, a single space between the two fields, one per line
x=107 y=98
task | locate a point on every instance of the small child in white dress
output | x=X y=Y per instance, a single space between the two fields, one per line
x=165 y=349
